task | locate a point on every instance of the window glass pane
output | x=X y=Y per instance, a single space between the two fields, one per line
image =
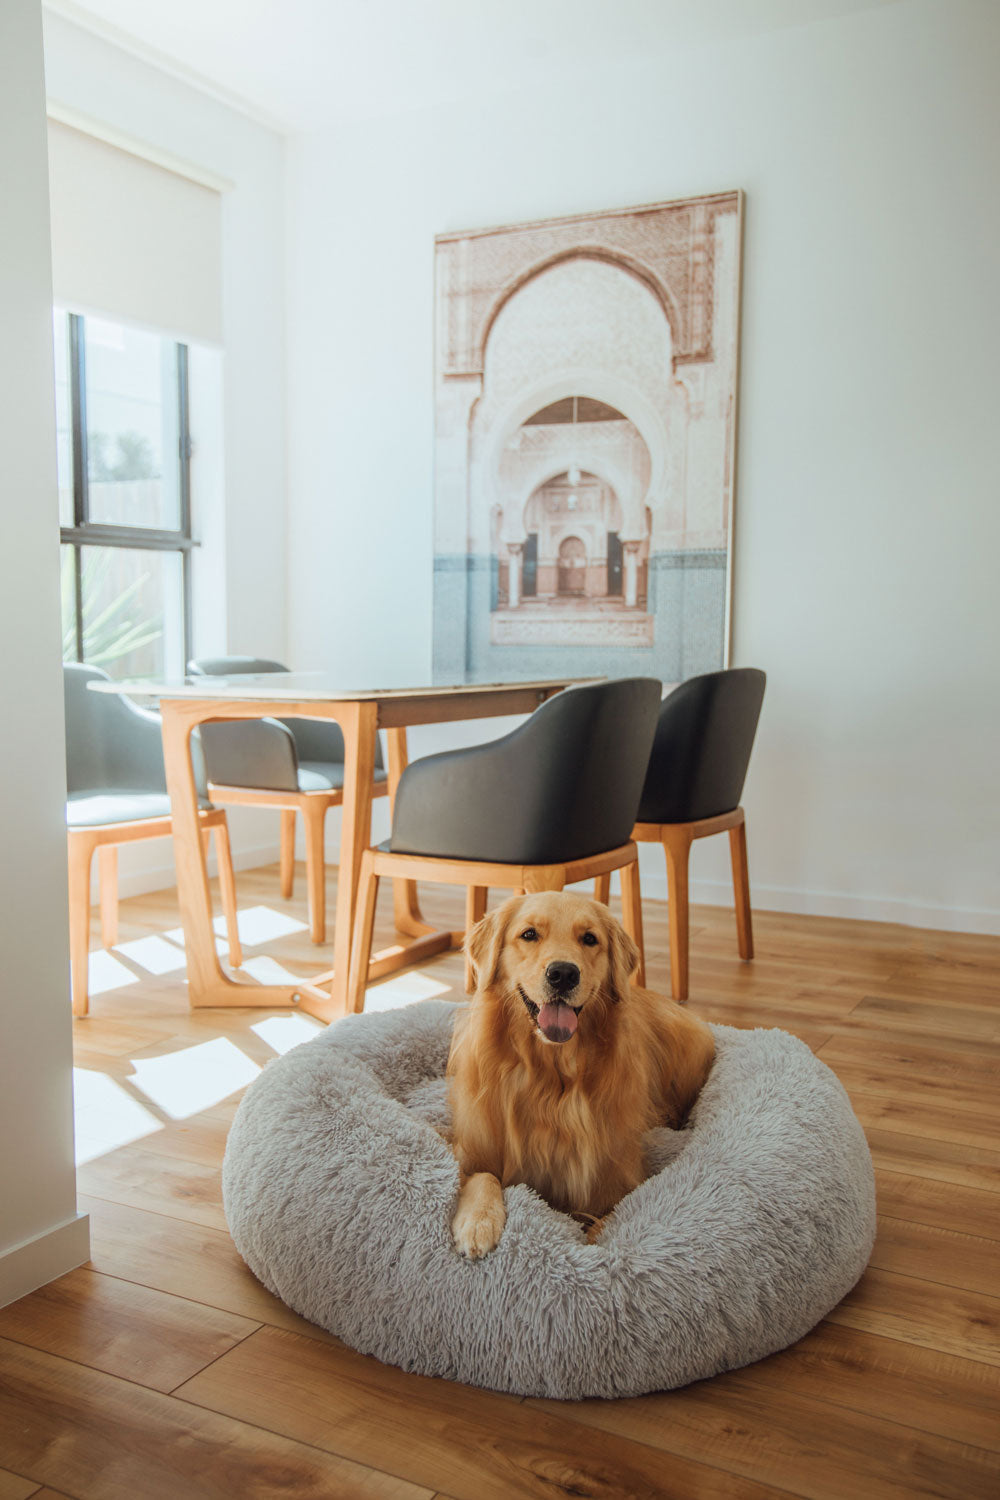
x=67 y=579
x=132 y=427
x=133 y=611
x=64 y=416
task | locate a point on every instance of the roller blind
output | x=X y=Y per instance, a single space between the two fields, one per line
x=133 y=240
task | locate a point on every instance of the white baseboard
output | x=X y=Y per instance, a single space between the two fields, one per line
x=35 y=1262
x=860 y=908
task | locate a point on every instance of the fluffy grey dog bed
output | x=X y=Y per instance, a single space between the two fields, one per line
x=759 y=1218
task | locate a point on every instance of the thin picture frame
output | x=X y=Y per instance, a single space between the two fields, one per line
x=618 y=333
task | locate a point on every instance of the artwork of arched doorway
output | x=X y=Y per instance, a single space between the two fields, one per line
x=584 y=407
x=573 y=546
x=572 y=567
x=581 y=560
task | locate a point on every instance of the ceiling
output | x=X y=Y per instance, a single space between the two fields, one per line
x=298 y=63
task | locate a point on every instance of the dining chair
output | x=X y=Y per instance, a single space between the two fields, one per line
x=549 y=804
x=116 y=794
x=697 y=768
x=295 y=765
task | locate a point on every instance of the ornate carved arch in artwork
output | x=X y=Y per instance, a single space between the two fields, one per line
x=633 y=404
x=617 y=258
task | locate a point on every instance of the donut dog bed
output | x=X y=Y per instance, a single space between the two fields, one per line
x=757 y=1218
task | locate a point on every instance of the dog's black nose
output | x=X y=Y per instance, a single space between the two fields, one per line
x=562 y=976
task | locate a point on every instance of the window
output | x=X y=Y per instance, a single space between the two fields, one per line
x=124 y=454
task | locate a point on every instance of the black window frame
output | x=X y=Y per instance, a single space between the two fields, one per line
x=87 y=533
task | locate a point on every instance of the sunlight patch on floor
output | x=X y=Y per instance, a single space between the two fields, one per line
x=282 y=1033
x=261 y=924
x=185 y=1082
x=105 y=973
x=257 y=924
x=176 y=935
x=106 y=1116
x=268 y=971
x=403 y=989
x=153 y=954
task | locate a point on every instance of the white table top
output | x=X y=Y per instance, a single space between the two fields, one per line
x=301 y=687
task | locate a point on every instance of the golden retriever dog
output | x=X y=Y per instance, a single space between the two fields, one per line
x=560 y=1065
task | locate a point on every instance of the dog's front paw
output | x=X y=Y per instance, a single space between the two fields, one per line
x=479 y=1220
x=475 y=1233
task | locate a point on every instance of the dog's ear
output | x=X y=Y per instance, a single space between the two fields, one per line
x=484 y=944
x=623 y=959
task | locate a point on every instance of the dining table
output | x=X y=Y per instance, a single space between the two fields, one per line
x=361 y=711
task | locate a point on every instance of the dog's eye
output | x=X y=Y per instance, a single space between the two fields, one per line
x=589 y=939
x=529 y=935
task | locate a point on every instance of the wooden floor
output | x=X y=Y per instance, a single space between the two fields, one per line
x=162 y=1370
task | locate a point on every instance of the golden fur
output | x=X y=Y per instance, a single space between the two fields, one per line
x=567 y=1118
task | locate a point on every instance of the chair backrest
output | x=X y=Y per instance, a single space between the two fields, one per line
x=561 y=786
x=229 y=666
x=314 y=739
x=110 y=742
x=701 y=750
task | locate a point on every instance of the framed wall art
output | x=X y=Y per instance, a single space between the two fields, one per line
x=585 y=418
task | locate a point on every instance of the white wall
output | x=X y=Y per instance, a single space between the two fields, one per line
x=867 y=523
x=41 y=1235
x=238 y=493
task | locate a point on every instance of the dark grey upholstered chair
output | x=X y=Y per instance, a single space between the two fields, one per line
x=296 y=765
x=697 y=768
x=116 y=793
x=549 y=804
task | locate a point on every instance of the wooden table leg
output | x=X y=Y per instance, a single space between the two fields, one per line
x=358 y=722
x=204 y=971
x=207 y=984
x=406 y=906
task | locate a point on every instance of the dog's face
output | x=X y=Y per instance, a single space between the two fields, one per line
x=556 y=953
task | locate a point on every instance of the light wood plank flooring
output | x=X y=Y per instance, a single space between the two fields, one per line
x=162 y=1368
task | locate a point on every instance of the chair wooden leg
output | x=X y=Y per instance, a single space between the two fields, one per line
x=314 y=817
x=81 y=850
x=741 y=888
x=475 y=910
x=107 y=876
x=632 y=915
x=677 y=847
x=602 y=889
x=405 y=899
x=227 y=886
x=287 y=852
x=364 y=926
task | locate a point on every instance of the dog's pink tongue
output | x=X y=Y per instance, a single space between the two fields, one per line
x=556 y=1021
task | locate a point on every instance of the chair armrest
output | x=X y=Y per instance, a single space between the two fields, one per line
x=255 y=753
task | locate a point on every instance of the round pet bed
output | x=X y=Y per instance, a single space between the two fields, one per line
x=759 y=1217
